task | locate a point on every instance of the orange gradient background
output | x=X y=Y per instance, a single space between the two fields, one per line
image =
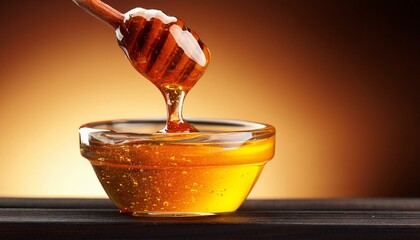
x=339 y=81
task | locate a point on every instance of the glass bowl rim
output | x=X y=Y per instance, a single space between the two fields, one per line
x=253 y=126
x=254 y=130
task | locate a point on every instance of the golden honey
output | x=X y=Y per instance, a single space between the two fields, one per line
x=178 y=168
x=206 y=172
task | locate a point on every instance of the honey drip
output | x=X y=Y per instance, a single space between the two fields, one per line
x=161 y=48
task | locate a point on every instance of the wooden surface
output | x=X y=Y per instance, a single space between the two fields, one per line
x=269 y=219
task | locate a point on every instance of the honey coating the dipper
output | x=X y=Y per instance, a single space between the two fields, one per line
x=161 y=48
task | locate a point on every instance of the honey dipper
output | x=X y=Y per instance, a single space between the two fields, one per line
x=162 y=49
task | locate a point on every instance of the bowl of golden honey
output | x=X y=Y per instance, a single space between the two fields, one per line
x=149 y=173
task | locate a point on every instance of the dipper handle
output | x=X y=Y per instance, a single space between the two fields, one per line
x=102 y=11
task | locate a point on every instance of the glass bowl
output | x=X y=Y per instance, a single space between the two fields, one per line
x=177 y=174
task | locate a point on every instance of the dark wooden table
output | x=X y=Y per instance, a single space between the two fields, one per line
x=31 y=218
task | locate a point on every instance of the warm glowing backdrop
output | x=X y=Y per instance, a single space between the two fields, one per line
x=338 y=79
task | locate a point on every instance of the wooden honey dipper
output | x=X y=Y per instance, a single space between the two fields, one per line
x=162 y=49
